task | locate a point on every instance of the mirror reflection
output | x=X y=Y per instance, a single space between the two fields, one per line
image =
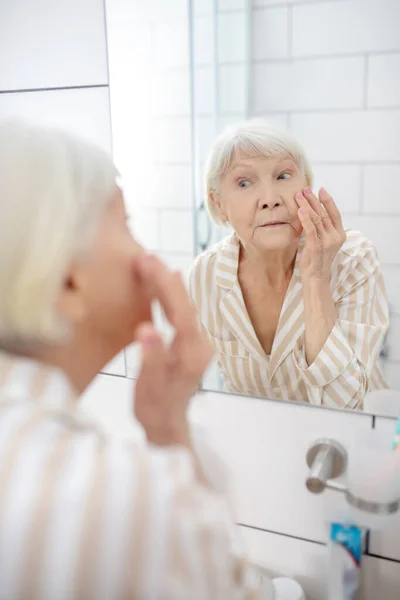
x=296 y=282
x=294 y=304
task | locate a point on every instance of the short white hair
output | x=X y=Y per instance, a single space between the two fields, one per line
x=53 y=188
x=256 y=137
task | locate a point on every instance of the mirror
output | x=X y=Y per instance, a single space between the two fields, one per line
x=335 y=91
x=326 y=74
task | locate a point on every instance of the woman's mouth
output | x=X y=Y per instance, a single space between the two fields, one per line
x=273 y=224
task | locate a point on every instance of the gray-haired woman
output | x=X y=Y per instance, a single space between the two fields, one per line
x=294 y=305
x=81 y=515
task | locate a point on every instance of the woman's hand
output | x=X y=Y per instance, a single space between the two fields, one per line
x=323 y=228
x=169 y=375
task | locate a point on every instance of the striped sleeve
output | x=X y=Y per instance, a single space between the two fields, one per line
x=341 y=374
x=82 y=516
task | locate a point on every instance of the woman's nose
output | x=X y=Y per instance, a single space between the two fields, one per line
x=269 y=202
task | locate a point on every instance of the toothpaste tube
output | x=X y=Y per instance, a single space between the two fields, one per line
x=346 y=544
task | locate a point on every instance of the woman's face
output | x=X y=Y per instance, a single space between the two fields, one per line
x=257 y=197
x=112 y=300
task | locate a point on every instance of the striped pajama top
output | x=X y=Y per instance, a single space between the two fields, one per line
x=87 y=517
x=347 y=366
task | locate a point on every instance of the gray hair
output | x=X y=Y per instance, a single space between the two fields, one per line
x=254 y=138
x=53 y=188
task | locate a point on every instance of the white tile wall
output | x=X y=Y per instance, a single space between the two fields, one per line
x=84 y=112
x=345 y=27
x=270 y=33
x=308 y=84
x=204 y=90
x=233 y=94
x=203 y=40
x=231 y=37
x=384 y=232
x=357 y=136
x=176 y=231
x=380 y=195
x=65 y=41
x=172 y=140
x=171 y=44
x=391 y=274
x=383 y=85
x=172 y=92
x=343 y=183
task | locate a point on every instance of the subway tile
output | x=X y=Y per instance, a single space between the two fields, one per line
x=145 y=226
x=383 y=80
x=171 y=45
x=380 y=189
x=343 y=182
x=52 y=44
x=228 y=5
x=309 y=84
x=393 y=339
x=383 y=232
x=203 y=41
x=176 y=231
x=203 y=7
x=233 y=89
x=83 y=112
x=204 y=90
x=270 y=33
x=391 y=276
x=372 y=135
x=352 y=26
x=172 y=140
x=171 y=187
x=172 y=92
x=379 y=579
x=391 y=371
x=207 y=134
x=149 y=10
x=278 y=120
x=232 y=32
x=127 y=52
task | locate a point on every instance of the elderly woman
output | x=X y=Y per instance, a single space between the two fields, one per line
x=294 y=305
x=82 y=515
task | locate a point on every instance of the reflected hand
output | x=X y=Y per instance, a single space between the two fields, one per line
x=325 y=235
x=169 y=375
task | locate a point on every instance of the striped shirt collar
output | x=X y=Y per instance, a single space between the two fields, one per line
x=234 y=311
x=227 y=261
x=24 y=379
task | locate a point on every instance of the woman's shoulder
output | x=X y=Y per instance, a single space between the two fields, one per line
x=358 y=257
x=358 y=246
x=209 y=257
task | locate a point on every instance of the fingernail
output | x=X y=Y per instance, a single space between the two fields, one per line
x=308 y=190
x=300 y=196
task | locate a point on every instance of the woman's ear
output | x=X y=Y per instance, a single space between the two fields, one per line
x=215 y=199
x=71 y=301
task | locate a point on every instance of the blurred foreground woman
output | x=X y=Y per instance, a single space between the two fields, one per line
x=84 y=516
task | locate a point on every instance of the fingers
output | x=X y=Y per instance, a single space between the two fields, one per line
x=190 y=350
x=308 y=216
x=168 y=288
x=331 y=209
x=309 y=228
x=154 y=354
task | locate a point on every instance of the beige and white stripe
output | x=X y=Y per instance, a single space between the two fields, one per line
x=85 y=517
x=347 y=366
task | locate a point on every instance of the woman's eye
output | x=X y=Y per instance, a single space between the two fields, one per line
x=244 y=183
x=284 y=176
